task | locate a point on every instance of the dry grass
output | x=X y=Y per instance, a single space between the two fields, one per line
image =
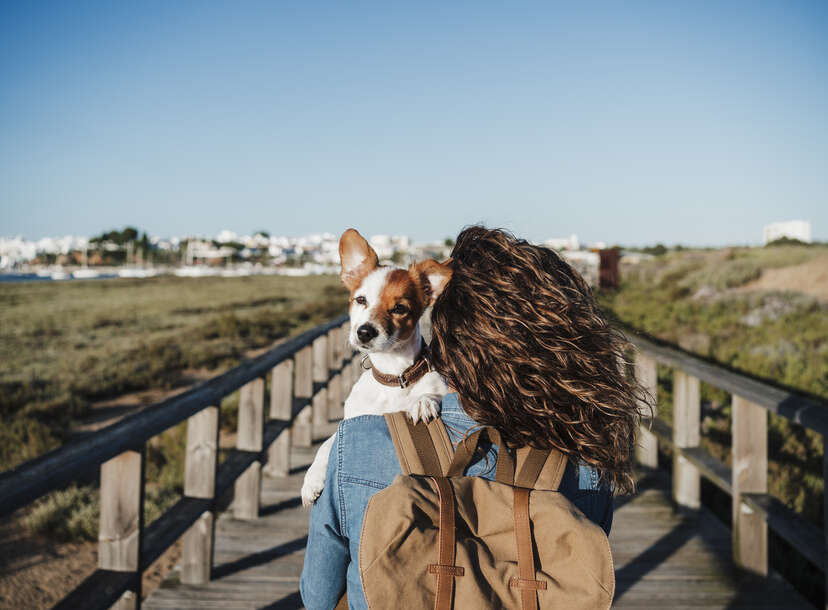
x=66 y=345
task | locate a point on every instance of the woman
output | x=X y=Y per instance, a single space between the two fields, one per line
x=521 y=341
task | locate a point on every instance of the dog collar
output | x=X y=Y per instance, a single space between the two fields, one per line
x=412 y=374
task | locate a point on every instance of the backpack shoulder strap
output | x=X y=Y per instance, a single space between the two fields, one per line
x=539 y=468
x=421 y=448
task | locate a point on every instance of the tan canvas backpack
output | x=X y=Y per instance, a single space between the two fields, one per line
x=438 y=539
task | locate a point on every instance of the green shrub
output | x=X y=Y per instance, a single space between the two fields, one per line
x=71 y=514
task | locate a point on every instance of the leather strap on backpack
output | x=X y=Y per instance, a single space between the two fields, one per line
x=526 y=583
x=444 y=569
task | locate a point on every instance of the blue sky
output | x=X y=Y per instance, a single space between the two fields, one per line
x=629 y=122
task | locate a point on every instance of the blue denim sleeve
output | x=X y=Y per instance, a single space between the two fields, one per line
x=326 y=556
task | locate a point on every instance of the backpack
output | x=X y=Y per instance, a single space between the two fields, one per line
x=438 y=539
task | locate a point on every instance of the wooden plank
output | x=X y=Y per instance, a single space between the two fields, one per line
x=281 y=405
x=197 y=550
x=319 y=405
x=802 y=535
x=336 y=349
x=750 y=475
x=200 y=482
x=646 y=443
x=715 y=471
x=201 y=457
x=250 y=438
x=237 y=460
x=686 y=433
x=247 y=492
x=56 y=469
x=251 y=416
x=122 y=520
x=302 y=434
x=162 y=533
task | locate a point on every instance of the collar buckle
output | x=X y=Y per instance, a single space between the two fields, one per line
x=402 y=380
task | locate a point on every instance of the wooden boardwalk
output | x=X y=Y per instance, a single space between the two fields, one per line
x=662 y=560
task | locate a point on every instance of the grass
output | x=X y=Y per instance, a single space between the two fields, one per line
x=65 y=346
x=692 y=298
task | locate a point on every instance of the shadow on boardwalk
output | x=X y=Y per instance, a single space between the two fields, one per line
x=662 y=560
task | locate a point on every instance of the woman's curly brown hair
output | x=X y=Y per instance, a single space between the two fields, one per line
x=519 y=336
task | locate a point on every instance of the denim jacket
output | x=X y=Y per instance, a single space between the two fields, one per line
x=362 y=462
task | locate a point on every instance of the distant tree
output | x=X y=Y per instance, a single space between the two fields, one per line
x=657 y=250
x=449 y=242
x=264 y=234
x=786 y=241
x=129 y=234
x=398 y=258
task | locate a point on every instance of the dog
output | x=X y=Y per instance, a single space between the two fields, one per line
x=386 y=304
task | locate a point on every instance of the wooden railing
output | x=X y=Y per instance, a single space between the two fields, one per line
x=309 y=377
x=753 y=509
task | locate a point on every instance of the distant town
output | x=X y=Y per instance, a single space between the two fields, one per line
x=132 y=253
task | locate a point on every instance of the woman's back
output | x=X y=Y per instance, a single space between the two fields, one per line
x=362 y=462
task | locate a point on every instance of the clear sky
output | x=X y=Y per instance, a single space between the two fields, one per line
x=629 y=122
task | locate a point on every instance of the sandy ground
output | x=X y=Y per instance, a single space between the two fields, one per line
x=36 y=572
x=809 y=278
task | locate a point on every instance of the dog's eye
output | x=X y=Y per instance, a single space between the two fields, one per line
x=399 y=309
x=361 y=300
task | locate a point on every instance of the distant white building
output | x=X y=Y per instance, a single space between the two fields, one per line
x=584 y=262
x=792 y=229
x=563 y=243
x=226 y=236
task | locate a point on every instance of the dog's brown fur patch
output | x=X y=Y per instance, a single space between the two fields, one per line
x=400 y=289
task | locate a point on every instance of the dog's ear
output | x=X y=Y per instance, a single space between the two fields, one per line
x=357 y=257
x=432 y=276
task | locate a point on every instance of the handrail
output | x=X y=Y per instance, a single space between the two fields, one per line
x=794 y=406
x=310 y=376
x=753 y=509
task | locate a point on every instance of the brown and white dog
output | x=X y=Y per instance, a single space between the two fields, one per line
x=385 y=309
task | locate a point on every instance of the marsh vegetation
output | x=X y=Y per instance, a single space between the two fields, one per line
x=763 y=311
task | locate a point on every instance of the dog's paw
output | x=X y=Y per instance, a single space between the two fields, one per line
x=425 y=407
x=311 y=488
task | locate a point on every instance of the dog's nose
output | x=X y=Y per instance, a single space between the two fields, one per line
x=366 y=332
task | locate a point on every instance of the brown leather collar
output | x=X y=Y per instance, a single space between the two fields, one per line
x=409 y=376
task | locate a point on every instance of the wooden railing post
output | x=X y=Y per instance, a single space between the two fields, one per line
x=122 y=520
x=356 y=368
x=335 y=358
x=686 y=433
x=281 y=407
x=750 y=475
x=346 y=383
x=647 y=442
x=250 y=438
x=200 y=482
x=303 y=389
x=320 y=394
